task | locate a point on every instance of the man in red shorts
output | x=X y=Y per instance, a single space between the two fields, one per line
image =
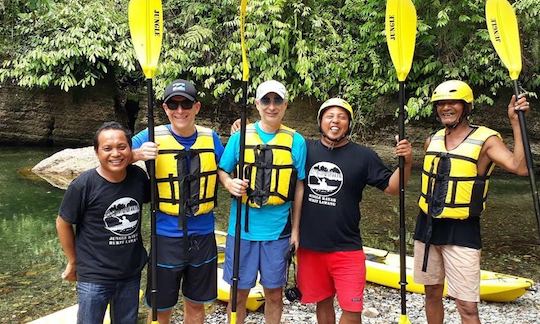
x=330 y=257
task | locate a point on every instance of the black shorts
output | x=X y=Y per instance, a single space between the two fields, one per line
x=195 y=270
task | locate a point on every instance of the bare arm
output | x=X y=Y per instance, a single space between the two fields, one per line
x=66 y=236
x=296 y=214
x=403 y=148
x=497 y=152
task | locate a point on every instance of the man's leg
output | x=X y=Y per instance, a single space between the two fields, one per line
x=432 y=279
x=273 y=270
x=348 y=270
x=249 y=260
x=468 y=312
x=124 y=306
x=273 y=307
x=434 y=304
x=193 y=312
x=463 y=274
x=93 y=299
x=164 y=317
x=241 y=299
x=325 y=311
x=350 y=317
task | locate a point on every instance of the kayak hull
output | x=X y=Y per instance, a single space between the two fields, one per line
x=383 y=269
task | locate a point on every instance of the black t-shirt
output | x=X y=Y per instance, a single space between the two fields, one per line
x=107 y=217
x=335 y=179
x=447 y=231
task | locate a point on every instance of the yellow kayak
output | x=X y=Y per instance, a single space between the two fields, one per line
x=256 y=295
x=382 y=267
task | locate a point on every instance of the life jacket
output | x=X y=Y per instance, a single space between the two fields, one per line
x=451 y=185
x=181 y=191
x=269 y=168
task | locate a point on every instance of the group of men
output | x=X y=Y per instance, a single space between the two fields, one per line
x=294 y=192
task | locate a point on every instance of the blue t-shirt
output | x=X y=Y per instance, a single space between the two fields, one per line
x=167 y=225
x=268 y=222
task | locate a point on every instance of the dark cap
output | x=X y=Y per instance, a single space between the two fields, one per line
x=180 y=88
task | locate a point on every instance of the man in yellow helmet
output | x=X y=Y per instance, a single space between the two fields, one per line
x=330 y=257
x=458 y=162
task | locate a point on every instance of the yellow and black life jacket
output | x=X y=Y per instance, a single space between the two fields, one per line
x=269 y=168
x=181 y=191
x=451 y=185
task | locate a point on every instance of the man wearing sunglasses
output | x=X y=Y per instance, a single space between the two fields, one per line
x=274 y=169
x=186 y=175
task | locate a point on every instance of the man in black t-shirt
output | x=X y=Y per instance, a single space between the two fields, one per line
x=105 y=254
x=330 y=257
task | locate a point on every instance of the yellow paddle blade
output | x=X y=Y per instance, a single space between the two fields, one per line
x=146 y=28
x=245 y=63
x=400 y=26
x=504 y=34
x=404 y=319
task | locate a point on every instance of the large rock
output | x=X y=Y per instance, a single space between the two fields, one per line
x=61 y=168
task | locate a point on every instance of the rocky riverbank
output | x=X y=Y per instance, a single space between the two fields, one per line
x=382 y=305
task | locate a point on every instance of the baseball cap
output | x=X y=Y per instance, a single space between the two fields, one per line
x=271 y=86
x=180 y=88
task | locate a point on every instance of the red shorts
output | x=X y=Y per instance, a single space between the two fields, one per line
x=325 y=274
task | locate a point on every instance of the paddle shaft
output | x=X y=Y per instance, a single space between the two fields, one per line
x=528 y=158
x=151 y=165
x=402 y=247
x=237 y=228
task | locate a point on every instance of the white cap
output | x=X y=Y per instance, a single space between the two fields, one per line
x=271 y=86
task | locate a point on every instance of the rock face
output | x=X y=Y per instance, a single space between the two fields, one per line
x=55 y=117
x=61 y=168
x=52 y=116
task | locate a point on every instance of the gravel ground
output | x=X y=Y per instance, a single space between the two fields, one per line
x=382 y=305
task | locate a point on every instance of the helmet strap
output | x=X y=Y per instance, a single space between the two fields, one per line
x=335 y=141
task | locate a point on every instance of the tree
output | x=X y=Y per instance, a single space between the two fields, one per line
x=319 y=48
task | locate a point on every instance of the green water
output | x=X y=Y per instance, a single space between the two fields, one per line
x=31 y=259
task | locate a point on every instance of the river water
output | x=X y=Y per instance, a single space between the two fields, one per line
x=31 y=259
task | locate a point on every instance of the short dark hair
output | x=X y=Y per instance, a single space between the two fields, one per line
x=111 y=125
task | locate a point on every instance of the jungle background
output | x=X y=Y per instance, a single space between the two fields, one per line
x=68 y=65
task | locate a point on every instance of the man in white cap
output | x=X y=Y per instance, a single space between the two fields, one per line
x=330 y=258
x=274 y=169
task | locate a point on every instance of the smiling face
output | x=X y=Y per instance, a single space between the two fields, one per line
x=450 y=111
x=182 y=119
x=271 y=108
x=334 y=125
x=114 y=154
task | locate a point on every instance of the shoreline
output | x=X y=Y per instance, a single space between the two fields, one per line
x=382 y=305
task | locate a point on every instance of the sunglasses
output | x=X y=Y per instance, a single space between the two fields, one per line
x=185 y=104
x=265 y=101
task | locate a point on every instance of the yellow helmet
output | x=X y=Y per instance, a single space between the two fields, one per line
x=335 y=102
x=453 y=90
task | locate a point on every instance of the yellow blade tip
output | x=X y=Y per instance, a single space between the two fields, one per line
x=404 y=319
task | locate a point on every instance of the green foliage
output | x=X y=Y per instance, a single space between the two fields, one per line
x=69 y=44
x=319 y=48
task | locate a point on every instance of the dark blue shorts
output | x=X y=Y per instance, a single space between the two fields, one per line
x=194 y=270
x=264 y=257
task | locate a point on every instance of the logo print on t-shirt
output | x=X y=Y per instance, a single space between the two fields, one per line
x=325 y=179
x=122 y=216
